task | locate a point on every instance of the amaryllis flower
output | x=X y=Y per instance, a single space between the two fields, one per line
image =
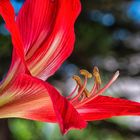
x=43 y=37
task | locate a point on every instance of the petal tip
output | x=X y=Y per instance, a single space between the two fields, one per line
x=66 y=130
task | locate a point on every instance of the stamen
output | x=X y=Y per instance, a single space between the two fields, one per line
x=107 y=85
x=97 y=81
x=93 y=90
x=79 y=82
x=97 y=77
x=80 y=99
x=86 y=93
x=77 y=79
x=85 y=73
x=72 y=93
x=81 y=90
x=101 y=90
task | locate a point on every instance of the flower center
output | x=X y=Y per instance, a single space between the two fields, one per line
x=83 y=95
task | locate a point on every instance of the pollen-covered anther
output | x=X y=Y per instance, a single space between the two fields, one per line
x=85 y=73
x=97 y=77
x=80 y=84
x=77 y=79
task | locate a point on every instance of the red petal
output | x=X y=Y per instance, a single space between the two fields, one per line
x=7 y=12
x=67 y=116
x=30 y=98
x=18 y=64
x=47 y=29
x=103 y=107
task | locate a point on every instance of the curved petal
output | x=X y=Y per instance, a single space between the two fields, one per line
x=47 y=30
x=103 y=107
x=23 y=96
x=18 y=63
x=7 y=12
x=67 y=116
x=30 y=98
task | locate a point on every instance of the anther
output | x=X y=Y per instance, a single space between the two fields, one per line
x=79 y=82
x=85 y=73
x=96 y=75
x=77 y=79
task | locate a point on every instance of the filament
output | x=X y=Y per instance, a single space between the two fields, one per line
x=72 y=93
x=80 y=91
x=101 y=90
x=83 y=95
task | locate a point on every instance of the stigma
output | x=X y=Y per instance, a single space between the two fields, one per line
x=81 y=95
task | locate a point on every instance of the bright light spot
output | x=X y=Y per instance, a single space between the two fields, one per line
x=108 y=20
x=134 y=11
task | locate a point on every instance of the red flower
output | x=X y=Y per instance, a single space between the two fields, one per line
x=43 y=37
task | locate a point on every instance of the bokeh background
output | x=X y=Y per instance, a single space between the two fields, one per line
x=108 y=36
